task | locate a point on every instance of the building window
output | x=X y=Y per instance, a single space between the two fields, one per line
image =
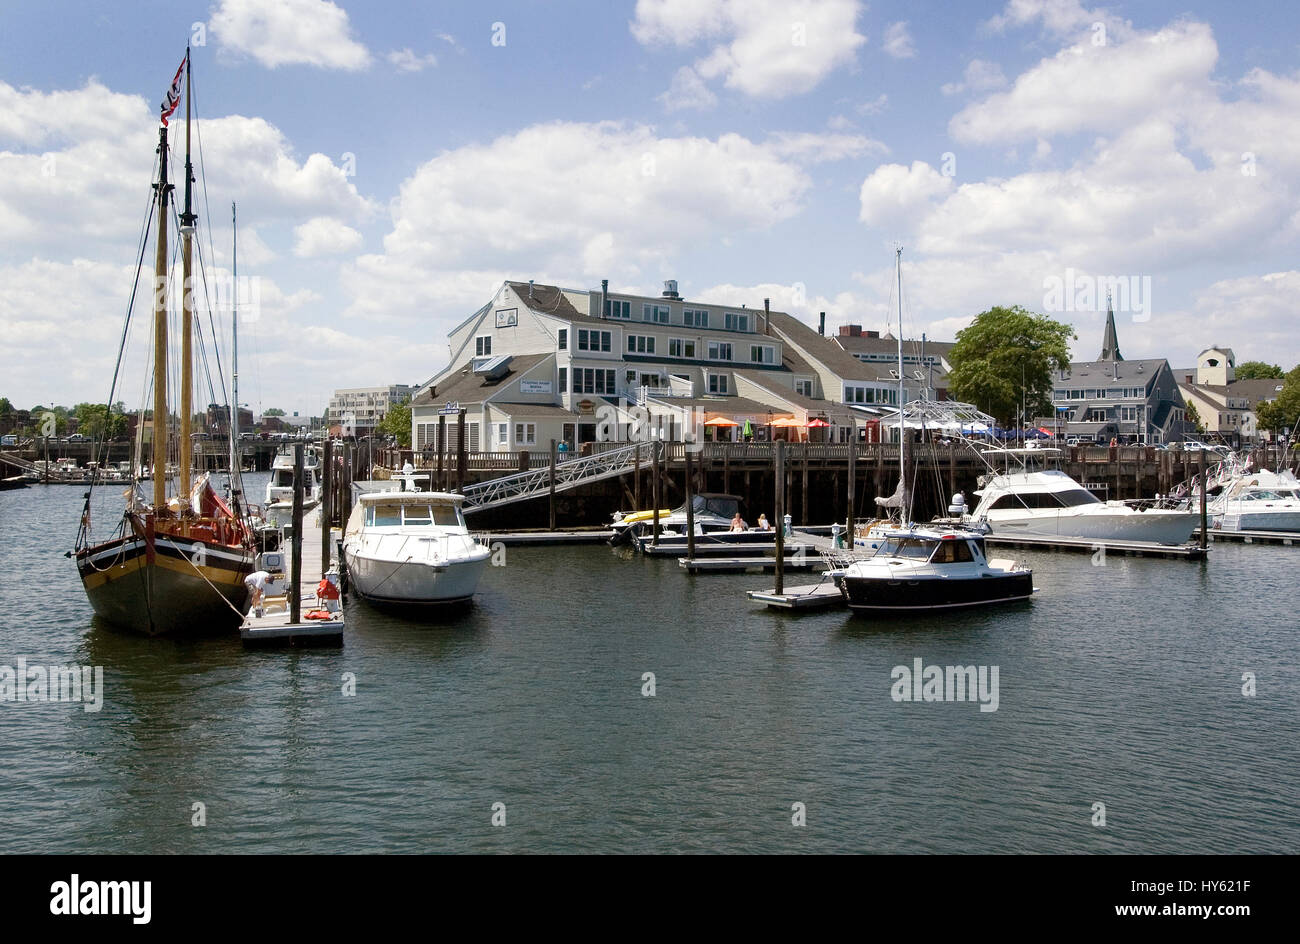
x=564 y=379
x=655 y=313
x=503 y=435
x=483 y=346
x=803 y=387
x=640 y=344
x=734 y=321
x=593 y=340
x=681 y=347
x=761 y=353
x=525 y=434
x=719 y=351
x=589 y=380
x=1128 y=414
x=563 y=339
x=717 y=383
x=695 y=317
x=617 y=309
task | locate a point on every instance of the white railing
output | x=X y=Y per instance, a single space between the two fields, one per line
x=569 y=474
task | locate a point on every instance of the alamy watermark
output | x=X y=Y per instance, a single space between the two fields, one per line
x=221 y=294
x=1128 y=294
x=627 y=423
x=921 y=682
x=71 y=683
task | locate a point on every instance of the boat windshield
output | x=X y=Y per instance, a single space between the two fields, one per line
x=911 y=548
x=1264 y=494
x=413 y=515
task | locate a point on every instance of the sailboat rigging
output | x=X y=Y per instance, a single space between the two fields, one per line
x=174 y=563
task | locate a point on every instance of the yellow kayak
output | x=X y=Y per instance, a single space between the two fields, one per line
x=636 y=516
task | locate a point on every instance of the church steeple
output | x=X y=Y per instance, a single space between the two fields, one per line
x=1109 y=342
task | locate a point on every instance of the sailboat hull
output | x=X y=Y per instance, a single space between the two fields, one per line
x=184 y=586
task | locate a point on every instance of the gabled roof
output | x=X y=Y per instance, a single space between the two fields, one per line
x=466 y=386
x=546 y=300
x=1089 y=373
x=824 y=350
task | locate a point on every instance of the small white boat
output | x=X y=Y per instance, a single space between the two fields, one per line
x=279 y=488
x=921 y=568
x=412 y=547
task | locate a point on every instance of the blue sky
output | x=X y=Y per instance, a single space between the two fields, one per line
x=394 y=161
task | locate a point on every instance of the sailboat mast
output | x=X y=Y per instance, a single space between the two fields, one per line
x=187 y=305
x=236 y=472
x=160 y=335
x=902 y=431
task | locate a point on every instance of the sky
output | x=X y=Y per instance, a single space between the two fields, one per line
x=393 y=163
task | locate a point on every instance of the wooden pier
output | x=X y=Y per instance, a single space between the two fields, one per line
x=740 y=565
x=1093 y=545
x=275 y=627
x=1285 y=538
x=813 y=596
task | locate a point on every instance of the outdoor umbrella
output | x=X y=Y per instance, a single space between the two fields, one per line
x=720 y=421
x=817 y=424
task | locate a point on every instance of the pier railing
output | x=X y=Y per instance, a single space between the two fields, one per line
x=541 y=481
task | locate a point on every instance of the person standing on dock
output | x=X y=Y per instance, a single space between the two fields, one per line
x=256 y=583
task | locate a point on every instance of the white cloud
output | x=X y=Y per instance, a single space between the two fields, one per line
x=875 y=106
x=574 y=203
x=1097 y=88
x=895 y=195
x=289 y=32
x=898 y=41
x=404 y=60
x=323 y=236
x=980 y=76
x=1058 y=17
x=762 y=48
x=1259 y=311
x=816 y=148
x=687 y=91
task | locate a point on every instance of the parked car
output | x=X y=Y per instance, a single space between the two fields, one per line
x=77 y=437
x=9 y=440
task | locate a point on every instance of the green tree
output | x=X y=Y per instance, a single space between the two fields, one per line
x=1193 y=417
x=1258 y=370
x=397 y=422
x=5 y=406
x=1284 y=412
x=274 y=411
x=1005 y=356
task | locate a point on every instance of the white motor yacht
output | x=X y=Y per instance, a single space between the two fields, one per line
x=412 y=547
x=1258 y=501
x=279 y=488
x=1045 y=502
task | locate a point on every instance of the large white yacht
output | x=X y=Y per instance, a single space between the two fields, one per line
x=1258 y=501
x=412 y=547
x=1038 y=501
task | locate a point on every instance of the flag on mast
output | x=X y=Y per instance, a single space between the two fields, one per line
x=173 y=98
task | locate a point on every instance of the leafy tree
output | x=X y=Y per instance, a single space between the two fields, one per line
x=5 y=406
x=397 y=422
x=1284 y=412
x=1193 y=418
x=1005 y=356
x=1258 y=370
x=274 y=411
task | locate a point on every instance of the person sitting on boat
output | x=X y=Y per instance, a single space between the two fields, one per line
x=256 y=583
x=738 y=523
x=763 y=523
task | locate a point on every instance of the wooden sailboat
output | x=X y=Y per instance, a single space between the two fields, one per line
x=174 y=564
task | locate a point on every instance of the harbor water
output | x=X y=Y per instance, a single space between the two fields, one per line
x=1122 y=722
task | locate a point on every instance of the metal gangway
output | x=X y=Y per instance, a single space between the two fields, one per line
x=536 y=482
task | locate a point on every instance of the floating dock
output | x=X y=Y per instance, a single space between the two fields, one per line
x=1286 y=538
x=813 y=596
x=273 y=628
x=740 y=565
x=1092 y=545
x=541 y=538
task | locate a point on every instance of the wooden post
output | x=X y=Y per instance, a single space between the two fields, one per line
x=462 y=457
x=780 y=516
x=1205 y=537
x=295 y=604
x=326 y=496
x=636 y=478
x=690 y=507
x=803 y=503
x=551 y=486
x=654 y=489
x=441 y=484
x=853 y=475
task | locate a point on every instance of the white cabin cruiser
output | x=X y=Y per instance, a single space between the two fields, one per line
x=279 y=489
x=412 y=547
x=922 y=568
x=1258 y=501
x=1045 y=502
